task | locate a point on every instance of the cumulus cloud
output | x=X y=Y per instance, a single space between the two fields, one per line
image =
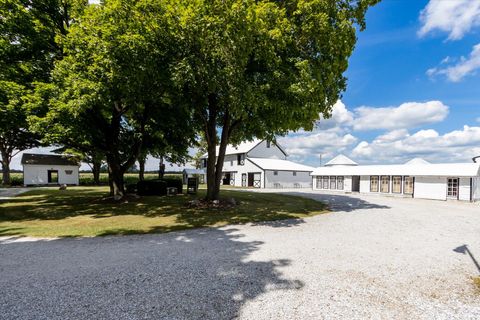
x=455 y=17
x=407 y=115
x=461 y=69
x=327 y=142
x=397 y=146
x=340 y=116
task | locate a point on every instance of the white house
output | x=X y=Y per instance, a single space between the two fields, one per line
x=262 y=164
x=48 y=169
x=415 y=179
x=190 y=173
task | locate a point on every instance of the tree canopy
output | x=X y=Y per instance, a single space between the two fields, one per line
x=262 y=68
x=113 y=87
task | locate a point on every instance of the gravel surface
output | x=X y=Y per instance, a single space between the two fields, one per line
x=373 y=257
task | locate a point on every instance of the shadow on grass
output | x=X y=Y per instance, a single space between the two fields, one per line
x=41 y=208
x=200 y=274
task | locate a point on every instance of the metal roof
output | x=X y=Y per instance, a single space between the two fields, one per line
x=194 y=171
x=280 y=165
x=437 y=169
x=243 y=147
x=49 y=159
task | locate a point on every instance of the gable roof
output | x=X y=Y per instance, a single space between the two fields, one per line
x=341 y=160
x=243 y=147
x=279 y=164
x=437 y=169
x=194 y=171
x=49 y=159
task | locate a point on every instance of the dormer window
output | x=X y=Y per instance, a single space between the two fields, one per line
x=268 y=144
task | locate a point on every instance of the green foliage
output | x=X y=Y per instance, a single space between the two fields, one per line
x=112 y=90
x=262 y=68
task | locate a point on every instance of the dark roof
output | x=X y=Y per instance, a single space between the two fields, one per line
x=49 y=159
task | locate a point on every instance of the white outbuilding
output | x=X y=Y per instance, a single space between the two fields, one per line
x=49 y=169
x=415 y=179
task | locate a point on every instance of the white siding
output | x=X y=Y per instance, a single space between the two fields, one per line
x=38 y=174
x=430 y=188
x=286 y=179
x=261 y=151
x=230 y=163
x=464 y=189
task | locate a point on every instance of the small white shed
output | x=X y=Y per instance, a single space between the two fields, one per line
x=49 y=169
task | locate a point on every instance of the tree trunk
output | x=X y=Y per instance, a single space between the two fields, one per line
x=161 y=168
x=141 y=169
x=6 y=168
x=96 y=166
x=214 y=161
x=115 y=173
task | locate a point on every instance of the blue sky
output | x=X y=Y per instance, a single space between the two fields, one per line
x=413 y=89
x=413 y=86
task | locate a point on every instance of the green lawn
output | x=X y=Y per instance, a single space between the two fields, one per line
x=82 y=211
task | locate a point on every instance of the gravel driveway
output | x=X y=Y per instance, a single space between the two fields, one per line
x=373 y=257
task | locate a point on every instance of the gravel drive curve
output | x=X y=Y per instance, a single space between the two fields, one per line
x=372 y=257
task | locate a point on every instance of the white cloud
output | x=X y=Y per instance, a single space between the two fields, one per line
x=455 y=17
x=463 y=68
x=407 y=115
x=398 y=147
x=340 y=116
x=327 y=142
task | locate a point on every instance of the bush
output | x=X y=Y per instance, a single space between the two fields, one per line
x=16 y=180
x=175 y=183
x=152 y=188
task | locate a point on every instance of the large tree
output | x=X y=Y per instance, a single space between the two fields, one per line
x=114 y=82
x=262 y=68
x=27 y=52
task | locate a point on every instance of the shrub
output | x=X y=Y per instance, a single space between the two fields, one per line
x=152 y=188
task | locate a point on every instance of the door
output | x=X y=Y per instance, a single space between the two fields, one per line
x=355 y=183
x=226 y=179
x=244 y=179
x=53 y=176
x=452 y=188
x=250 y=179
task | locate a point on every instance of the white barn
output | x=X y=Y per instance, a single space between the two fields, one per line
x=262 y=164
x=415 y=179
x=49 y=169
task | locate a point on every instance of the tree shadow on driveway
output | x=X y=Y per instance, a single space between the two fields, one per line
x=196 y=274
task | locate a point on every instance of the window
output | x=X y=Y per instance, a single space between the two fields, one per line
x=275 y=173
x=325 y=182
x=294 y=173
x=239 y=160
x=68 y=172
x=340 y=183
x=231 y=163
x=408 y=185
x=385 y=184
x=452 y=188
x=319 y=183
x=268 y=144
x=333 y=183
x=397 y=184
x=204 y=162
x=373 y=183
